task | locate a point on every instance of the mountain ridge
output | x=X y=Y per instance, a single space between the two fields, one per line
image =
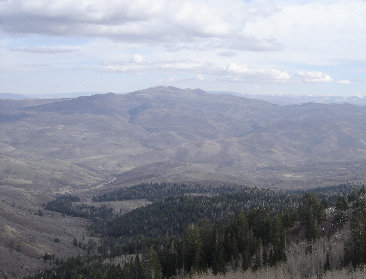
x=194 y=135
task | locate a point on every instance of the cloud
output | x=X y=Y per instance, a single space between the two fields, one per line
x=44 y=50
x=315 y=77
x=230 y=72
x=337 y=27
x=288 y=27
x=200 y=77
x=137 y=58
x=314 y=31
x=190 y=23
x=344 y=81
x=162 y=66
x=227 y=53
x=232 y=43
x=257 y=73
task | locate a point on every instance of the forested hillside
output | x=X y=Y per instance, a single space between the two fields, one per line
x=195 y=233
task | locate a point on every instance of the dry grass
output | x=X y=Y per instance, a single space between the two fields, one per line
x=25 y=237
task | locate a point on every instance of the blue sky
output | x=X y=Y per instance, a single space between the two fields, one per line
x=253 y=47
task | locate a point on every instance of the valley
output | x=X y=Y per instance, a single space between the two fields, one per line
x=95 y=145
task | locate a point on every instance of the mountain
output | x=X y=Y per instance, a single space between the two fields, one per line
x=166 y=133
x=11 y=96
x=299 y=99
x=63 y=95
x=91 y=145
x=302 y=99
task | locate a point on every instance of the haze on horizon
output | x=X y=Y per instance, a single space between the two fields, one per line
x=254 y=47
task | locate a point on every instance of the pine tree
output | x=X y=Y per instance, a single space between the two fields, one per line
x=327 y=263
x=151 y=266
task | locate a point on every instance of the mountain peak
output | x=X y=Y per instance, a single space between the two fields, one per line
x=167 y=90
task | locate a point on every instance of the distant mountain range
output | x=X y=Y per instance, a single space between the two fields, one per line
x=171 y=134
x=300 y=99
x=274 y=99
x=12 y=96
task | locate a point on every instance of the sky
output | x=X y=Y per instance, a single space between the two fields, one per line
x=254 y=47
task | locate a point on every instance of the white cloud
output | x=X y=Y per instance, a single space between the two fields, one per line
x=257 y=73
x=344 y=81
x=232 y=71
x=137 y=58
x=159 y=21
x=45 y=50
x=200 y=77
x=127 y=68
x=314 y=77
x=162 y=66
x=320 y=29
x=315 y=31
x=310 y=32
x=227 y=53
x=256 y=42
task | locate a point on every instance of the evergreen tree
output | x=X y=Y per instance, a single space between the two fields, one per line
x=151 y=265
x=311 y=215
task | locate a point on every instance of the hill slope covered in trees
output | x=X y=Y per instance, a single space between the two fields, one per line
x=303 y=234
